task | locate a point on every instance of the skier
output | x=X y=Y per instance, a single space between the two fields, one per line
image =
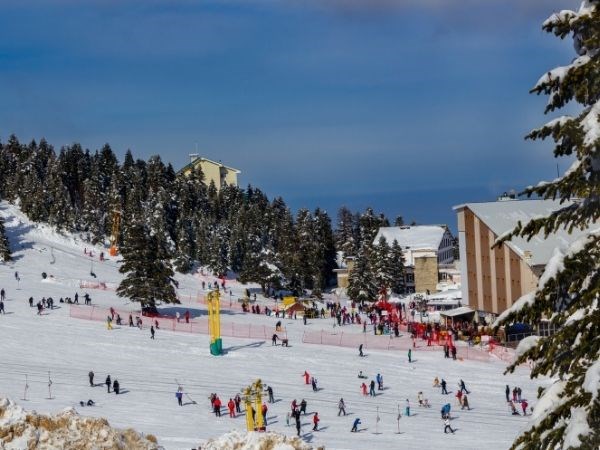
x=274 y=339
x=91 y=377
x=364 y=388
x=39 y=308
x=116 y=387
x=459 y=397
x=306 y=376
x=231 y=407
x=360 y=350
x=463 y=387
x=108 y=383
x=454 y=352
x=379 y=379
x=31 y=302
x=316 y=422
x=294 y=405
x=507 y=392
x=303 y=407
x=524 y=405
x=372 y=389
x=217 y=406
x=2 y=294
x=446 y=411
x=355 y=425
x=465 y=403
x=179 y=396
x=152 y=332
x=407 y=409
x=409 y=355
x=341 y=407
x=130 y=320
x=17 y=276
x=298 y=423
x=270 y=392
x=2 y=307
x=76 y=297
x=447 y=426
x=444 y=391
x=313 y=381
x=237 y=400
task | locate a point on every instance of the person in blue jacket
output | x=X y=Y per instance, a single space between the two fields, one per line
x=179 y=395
x=355 y=425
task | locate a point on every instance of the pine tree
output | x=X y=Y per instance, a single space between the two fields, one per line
x=147 y=268
x=345 y=239
x=381 y=264
x=568 y=292
x=361 y=283
x=397 y=266
x=4 y=245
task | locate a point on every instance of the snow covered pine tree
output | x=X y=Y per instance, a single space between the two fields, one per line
x=567 y=415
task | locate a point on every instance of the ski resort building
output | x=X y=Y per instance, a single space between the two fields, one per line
x=215 y=172
x=426 y=248
x=493 y=279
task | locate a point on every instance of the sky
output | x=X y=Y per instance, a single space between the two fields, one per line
x=409 y=107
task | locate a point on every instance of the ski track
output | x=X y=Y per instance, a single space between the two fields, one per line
x=69 y=348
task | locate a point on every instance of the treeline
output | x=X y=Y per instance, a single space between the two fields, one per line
x=191 y=223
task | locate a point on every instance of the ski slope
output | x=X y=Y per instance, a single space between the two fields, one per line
x=66 y=349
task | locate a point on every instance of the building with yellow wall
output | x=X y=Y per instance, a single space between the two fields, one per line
x=215 y=172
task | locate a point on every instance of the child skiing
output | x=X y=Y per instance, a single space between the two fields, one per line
x=355 y=425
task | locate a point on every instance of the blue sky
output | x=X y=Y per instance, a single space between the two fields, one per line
x=408 y=106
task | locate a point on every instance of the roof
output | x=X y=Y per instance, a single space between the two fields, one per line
x=502 y=216
x=200 y=159
x=461 y=311
x=414 y=237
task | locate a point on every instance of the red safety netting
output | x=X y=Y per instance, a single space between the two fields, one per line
x=196 y=325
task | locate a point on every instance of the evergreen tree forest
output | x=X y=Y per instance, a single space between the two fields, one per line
x=567 y=415
x=186 y=223
x=4 y=245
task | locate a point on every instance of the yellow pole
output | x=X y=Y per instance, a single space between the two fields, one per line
x=249 y=415
x=258 y=420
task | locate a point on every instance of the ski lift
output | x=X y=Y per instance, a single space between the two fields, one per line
x=92 y=270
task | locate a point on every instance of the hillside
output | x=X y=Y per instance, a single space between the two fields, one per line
x=65 y=349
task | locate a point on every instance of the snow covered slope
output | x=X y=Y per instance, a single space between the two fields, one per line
x=65 y=349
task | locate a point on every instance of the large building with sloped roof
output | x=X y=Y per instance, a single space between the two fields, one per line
x=493 y=279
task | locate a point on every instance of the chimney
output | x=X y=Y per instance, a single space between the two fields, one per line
x=193 y=157
x=527 y=256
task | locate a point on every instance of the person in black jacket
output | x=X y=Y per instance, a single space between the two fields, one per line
x=116 y=387
x=91 y=377
x=108 y=383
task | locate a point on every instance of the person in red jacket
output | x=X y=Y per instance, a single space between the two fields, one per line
x=316 y=421
x=306 y=376
x=264 y=410
x=217 y=406
x=187 y=316
x=231 y=406
x=524 y=405
x=364 y=389
x=294 y=405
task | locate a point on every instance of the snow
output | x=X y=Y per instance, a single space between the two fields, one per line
x=416 y=237
x=67 y=349
x=559 y=73
x=591 y=125
x=526 y=344
x=591 y=382
x=523 y=301
x=577 y=425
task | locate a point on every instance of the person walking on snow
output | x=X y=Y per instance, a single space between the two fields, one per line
x=447 y=426
x=303 y=407
x=298 y=423
x=316 y=422
x=524 y=406
x=217 y=406
x=507 y=392
x=237 y=400
x=444 y=391
x=116 y=386
x=2 y=294
x=231 y=407
x=372 y=389
x=306 y=376
x=463 y=387
x=360 y=350
x=152 y=332
x=2 y=307
x=179 y=396
x=409 y=355
x=270 y=392
x=108 y=383
x=459 y=397
x=313 y=381
x=364 y=389
x=341 y=407
x=264 y=410
x=91 y=377
x=407 y=409
x=379 y=380
x=355 y=425
x=465 y=403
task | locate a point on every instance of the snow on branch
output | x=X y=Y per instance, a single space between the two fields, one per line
x=559 y=73
x=591 y=125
